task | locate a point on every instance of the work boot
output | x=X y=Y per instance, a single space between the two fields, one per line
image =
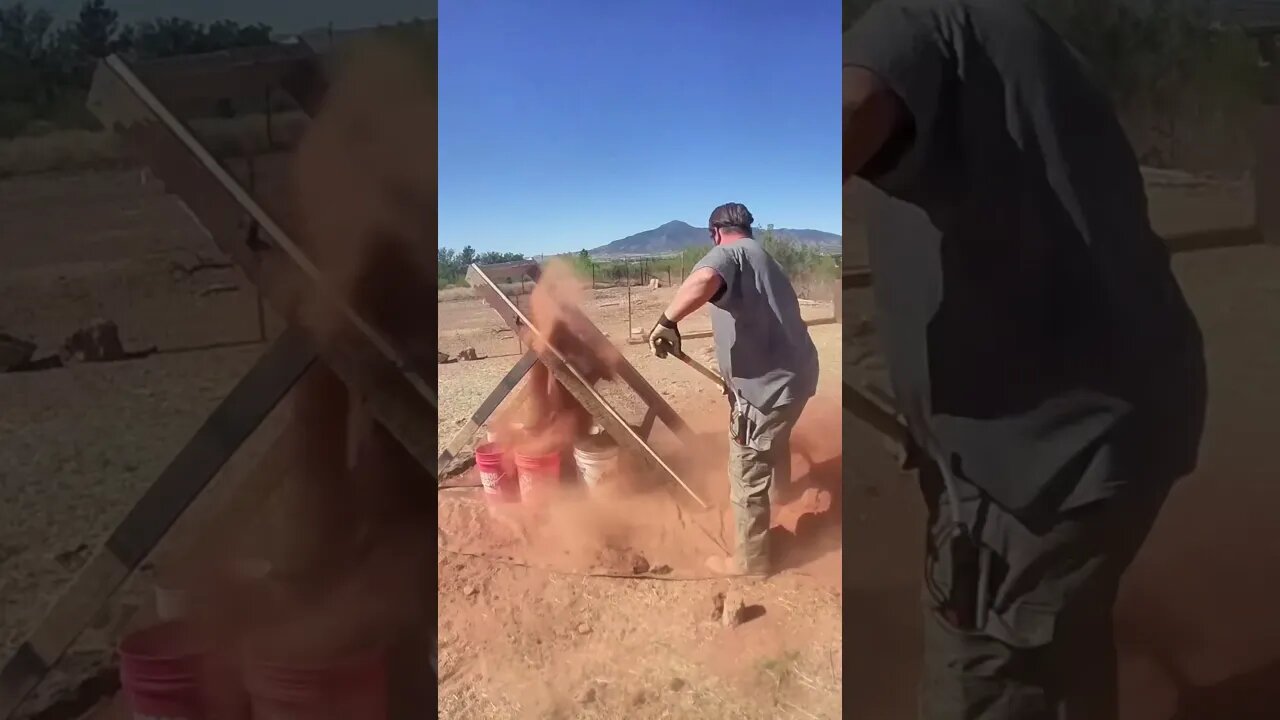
x=728 y=566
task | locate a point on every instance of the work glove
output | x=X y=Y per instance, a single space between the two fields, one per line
x=664 y=338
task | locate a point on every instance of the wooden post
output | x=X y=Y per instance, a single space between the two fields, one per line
x=626 y=267
x=271 y=140
x=1266 y=174
x=262 y=319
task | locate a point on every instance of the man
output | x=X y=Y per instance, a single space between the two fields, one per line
x=1039 y=346
x=769 y=365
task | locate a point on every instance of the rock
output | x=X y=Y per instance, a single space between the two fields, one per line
x=99 y=341
x=660 y=570
x=218 y=288
x=732 y=615
x=468 y=353
x=14 y=352
x=717 y=609
x=468 y=590
x=639 y=565
x=677 y=684
x=73 y=558
x=44 y=363
x=584 y=629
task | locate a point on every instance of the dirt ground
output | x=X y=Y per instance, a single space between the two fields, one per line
x=1197 y=622
x=526 y=632
x=79 y=444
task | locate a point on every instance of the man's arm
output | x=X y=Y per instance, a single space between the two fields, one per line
x=697 y=290
x=872 y=116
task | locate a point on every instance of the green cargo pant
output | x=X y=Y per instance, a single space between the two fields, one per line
x=1042 y=646
x=759 y=468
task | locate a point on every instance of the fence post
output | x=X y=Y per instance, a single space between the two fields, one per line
x=1266 y=174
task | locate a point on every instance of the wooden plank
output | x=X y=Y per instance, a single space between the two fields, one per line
x=582 y=327
x=193 y=84
x=646 y=425
x=1214 y=239
x=632 y=377
x=587 y=330
x=140 y=532
x=512 y=271
x=572 y=380
x=486 y=409
x=855 y=277
x=1266 y=174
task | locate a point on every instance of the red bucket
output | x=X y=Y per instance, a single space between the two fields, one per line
x=345 y=689
x=539 y=474
x=161 y=671
x=500 y=485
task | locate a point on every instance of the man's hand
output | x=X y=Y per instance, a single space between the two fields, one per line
x=664 y=338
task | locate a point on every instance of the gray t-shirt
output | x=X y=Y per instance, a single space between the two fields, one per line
x=762 y=344
x=1039 y=344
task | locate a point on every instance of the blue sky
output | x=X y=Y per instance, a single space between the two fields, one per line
x=571 y=123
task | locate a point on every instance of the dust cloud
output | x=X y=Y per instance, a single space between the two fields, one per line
x=348 y=532
x=548 y=419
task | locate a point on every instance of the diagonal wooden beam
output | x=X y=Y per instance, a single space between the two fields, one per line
x=573 y=381
x=582 y=327
x=235 y=418
x=486 y=409
x=393 y=386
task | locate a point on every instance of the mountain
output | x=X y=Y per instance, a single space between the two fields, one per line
x=675 y=236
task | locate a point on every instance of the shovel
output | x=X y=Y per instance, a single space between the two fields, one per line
x=703 y=370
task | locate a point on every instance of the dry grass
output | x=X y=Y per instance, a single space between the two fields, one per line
x=61 y=151
x=82 y=150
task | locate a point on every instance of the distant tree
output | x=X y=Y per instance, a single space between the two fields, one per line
x=494 y=258
x=169 y=37
x=451 y=265
x=97 y=30
x=28 y=72
x=95 y=34
x=467 y=256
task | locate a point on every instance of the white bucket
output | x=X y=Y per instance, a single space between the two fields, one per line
x=597 y=466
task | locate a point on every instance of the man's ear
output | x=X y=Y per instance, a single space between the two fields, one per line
x=872 y=115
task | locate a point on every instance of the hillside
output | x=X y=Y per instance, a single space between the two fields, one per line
x=675 y=236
